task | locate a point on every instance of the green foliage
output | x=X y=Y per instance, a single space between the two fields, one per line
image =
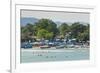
x=44 y=34
x=49 y=35
x=27 y=32
x=64 y=28
x=47 y=29
x=76 y=29
x=48 y=25
x=80 y=31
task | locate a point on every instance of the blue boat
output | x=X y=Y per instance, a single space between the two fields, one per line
x=26 y=45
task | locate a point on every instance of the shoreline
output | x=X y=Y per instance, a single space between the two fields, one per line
x=53 y=50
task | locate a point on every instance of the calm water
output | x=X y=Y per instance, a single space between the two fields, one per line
x=38 y=56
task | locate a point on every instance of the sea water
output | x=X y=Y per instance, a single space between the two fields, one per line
x=63 y=55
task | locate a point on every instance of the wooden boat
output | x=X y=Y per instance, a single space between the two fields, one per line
x=44 y=47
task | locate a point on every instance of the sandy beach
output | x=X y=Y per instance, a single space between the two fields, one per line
x=53 y=50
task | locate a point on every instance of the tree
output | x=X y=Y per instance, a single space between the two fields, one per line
x=64 y=28
x=44 y=34
x=47 y=29
x=76 y=29
x=85 y=35
x=48 y=25
x=27 y=32
x=80 y=31
x=49 y=35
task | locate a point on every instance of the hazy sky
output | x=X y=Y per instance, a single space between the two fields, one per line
x=57 y=16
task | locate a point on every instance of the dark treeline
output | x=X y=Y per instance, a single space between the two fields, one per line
x=47 y=29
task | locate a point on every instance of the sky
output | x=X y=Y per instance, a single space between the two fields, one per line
x=57 y=16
